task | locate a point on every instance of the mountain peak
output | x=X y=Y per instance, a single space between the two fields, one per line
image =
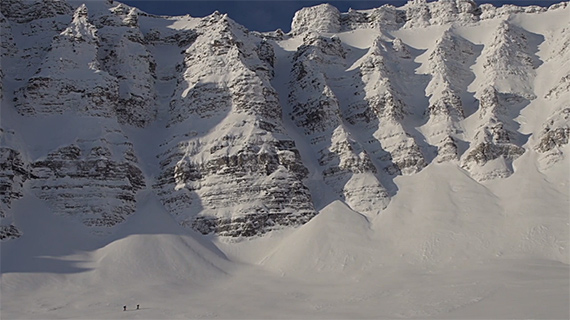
x=81 y=29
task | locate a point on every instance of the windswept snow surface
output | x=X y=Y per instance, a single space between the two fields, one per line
x=439 y=259
x=446 y=246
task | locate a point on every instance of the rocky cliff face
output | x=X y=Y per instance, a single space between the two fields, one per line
x=316 y=109
x=124 y=55
x=69 y=78
x=230 y=168
x=93 y=175
x=508 y=67
x=13 y=173
x=555 y=131
x=237 y=132
x=385 y=105
x=448 y=65
x=93 y=180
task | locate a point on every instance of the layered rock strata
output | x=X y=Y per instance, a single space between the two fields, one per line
x=346 y=166
x=509 y=67
x=236 y=173
x=448 y=65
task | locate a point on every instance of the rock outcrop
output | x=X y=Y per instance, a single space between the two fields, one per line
x=346 y=166
x=124 y=55
x=323 y=18
x=555 y=131
x=70 y=79
x=235 y=172
x=93 y=180
x=508 y=67
x=24 y=11
x=383 y=106
x=13 y=173
x=448 y=65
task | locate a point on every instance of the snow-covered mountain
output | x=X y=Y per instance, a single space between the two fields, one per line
x=101 y=100
x=324 y=172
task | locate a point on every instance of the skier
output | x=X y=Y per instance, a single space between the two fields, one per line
x=124 y=308
x=137 y=306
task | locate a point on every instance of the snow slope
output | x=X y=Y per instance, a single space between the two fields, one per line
x=405 y=162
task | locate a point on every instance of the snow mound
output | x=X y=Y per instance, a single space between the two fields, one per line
x=335 y=241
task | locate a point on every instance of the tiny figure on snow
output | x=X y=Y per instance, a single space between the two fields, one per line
x=137 y=306
x=124 y=308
